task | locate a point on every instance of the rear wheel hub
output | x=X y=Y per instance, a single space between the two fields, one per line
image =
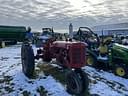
x=120 y=71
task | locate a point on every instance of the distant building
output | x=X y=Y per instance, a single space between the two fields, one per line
x=111 y=29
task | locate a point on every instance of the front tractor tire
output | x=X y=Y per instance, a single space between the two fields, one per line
x=91 y=60
x=77 y=82
x=27 y=59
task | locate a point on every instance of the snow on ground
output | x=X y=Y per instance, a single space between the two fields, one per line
x=106 y=84
x=14 y=83
x=17 y=83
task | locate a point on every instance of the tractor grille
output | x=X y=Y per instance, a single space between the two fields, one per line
x=76 y=55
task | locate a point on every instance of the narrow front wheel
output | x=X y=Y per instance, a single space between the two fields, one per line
x=77 y=82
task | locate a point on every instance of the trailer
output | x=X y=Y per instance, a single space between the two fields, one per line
x=12 y=34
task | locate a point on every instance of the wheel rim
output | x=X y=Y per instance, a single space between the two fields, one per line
x=120 y=71
x=90 y=60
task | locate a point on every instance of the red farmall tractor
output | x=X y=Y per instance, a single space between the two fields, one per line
x=70 y=56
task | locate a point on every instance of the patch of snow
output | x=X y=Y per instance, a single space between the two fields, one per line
x=100 y=89
x=107 y=84
x=10 y=65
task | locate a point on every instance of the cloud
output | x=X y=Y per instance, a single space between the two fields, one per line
x=59 y=13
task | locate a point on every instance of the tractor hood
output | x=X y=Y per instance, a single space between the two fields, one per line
x=121 y=52
x=123 y=47
x=44 y=37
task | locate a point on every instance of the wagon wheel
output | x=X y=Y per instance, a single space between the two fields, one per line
x=27 y=59
x=120 y=70
x=77 y=82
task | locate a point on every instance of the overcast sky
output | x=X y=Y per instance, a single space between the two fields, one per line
x=59 y=13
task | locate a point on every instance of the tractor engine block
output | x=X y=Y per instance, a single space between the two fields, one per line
x=67 y=53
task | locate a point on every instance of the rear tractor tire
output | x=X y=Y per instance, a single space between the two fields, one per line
x=27 y=59
x=77 y=82
x=121 y=70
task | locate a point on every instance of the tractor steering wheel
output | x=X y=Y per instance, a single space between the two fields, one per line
x=88 y=36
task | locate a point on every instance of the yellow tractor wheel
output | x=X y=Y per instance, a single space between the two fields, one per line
x=90 y=60
x=120 y=70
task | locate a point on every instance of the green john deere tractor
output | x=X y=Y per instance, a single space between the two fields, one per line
x=115 y=59
x=118 y=59
x=104 y=54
